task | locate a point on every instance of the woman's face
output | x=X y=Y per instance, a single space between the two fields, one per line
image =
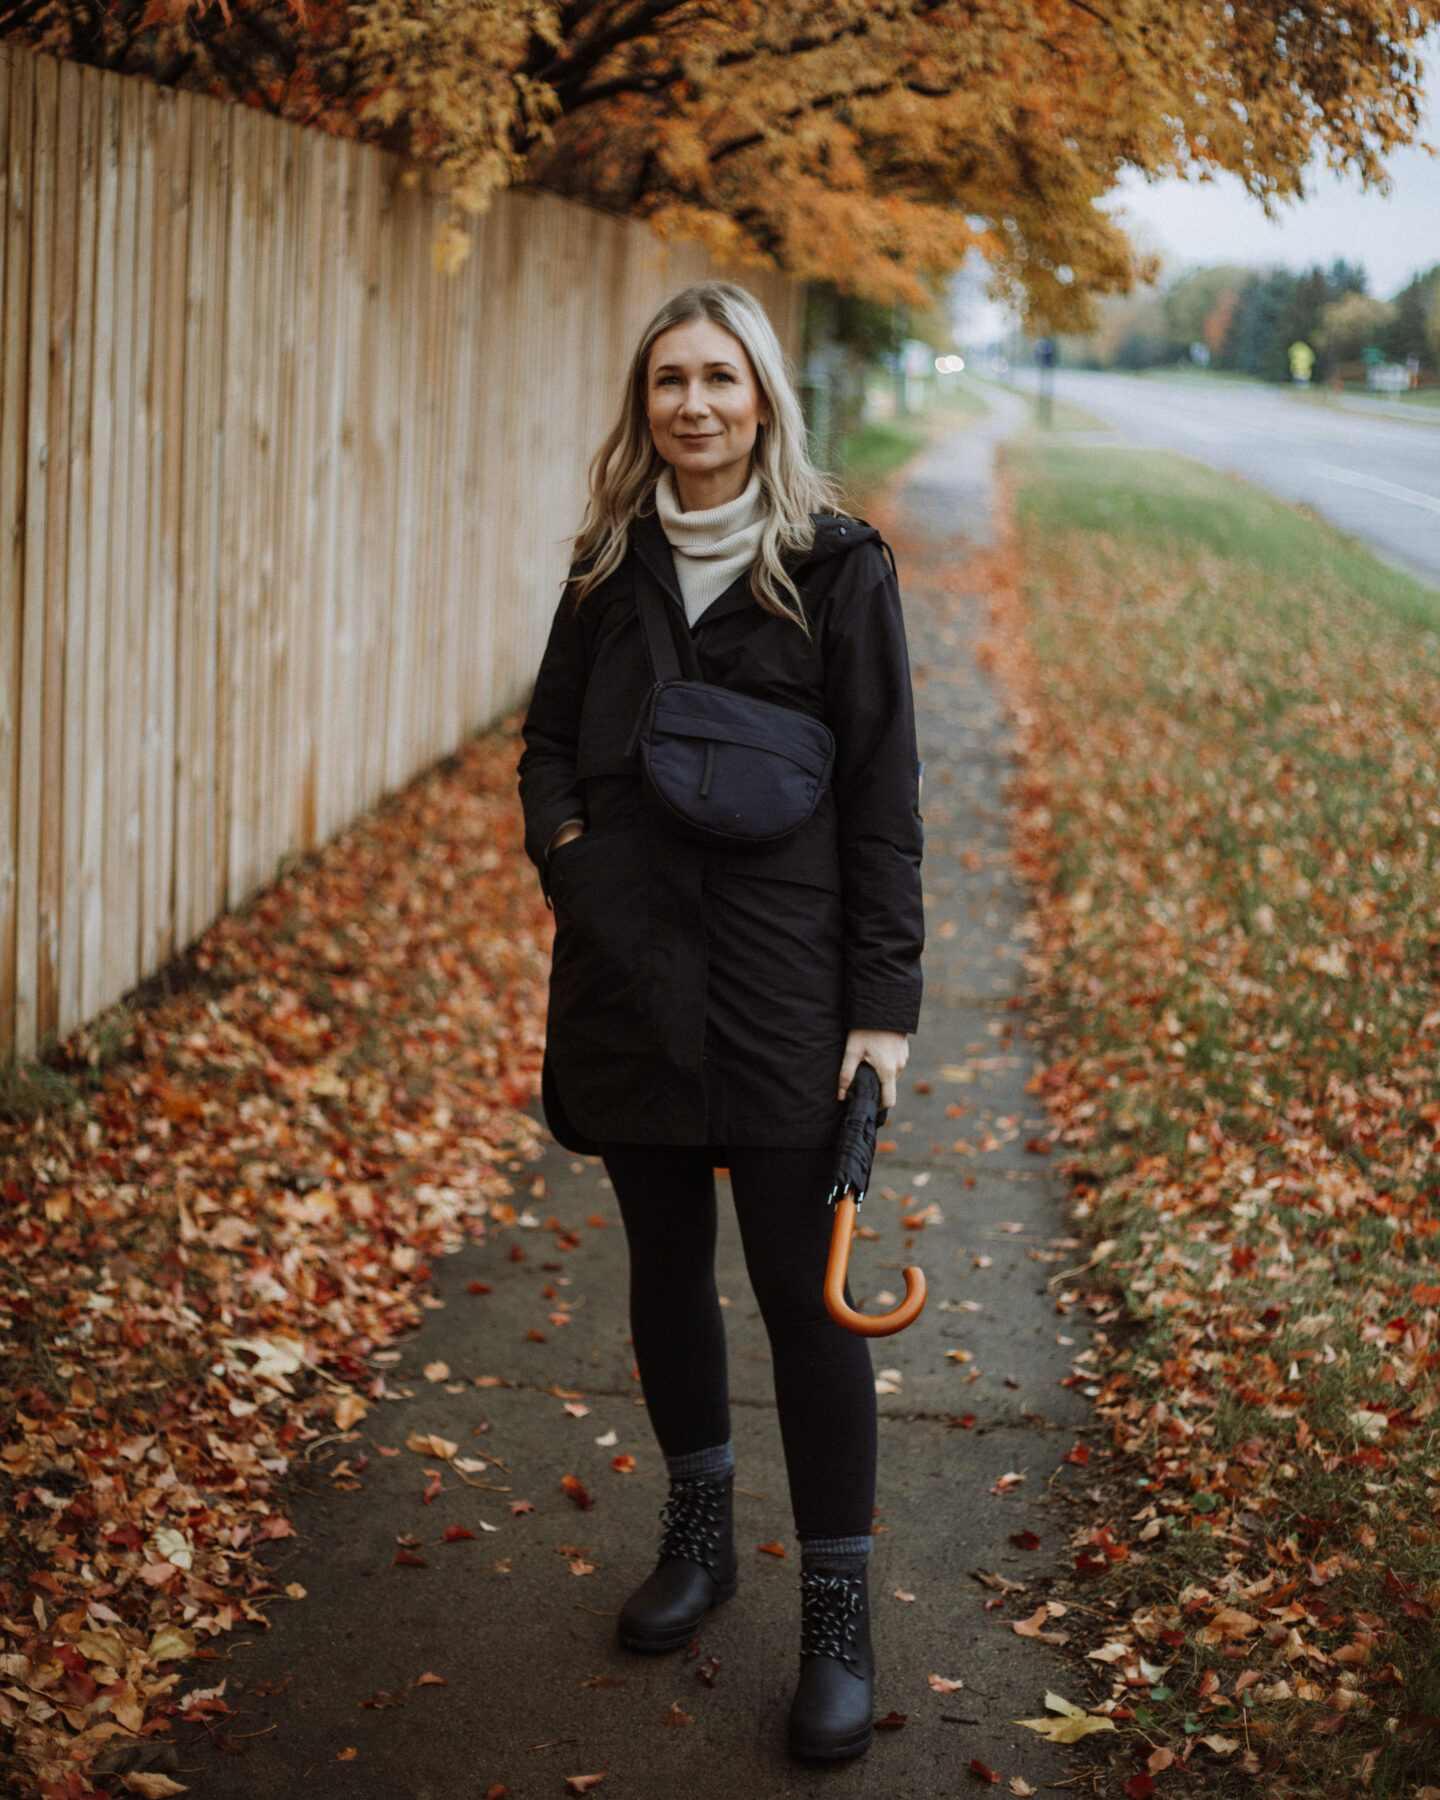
x=704 y=407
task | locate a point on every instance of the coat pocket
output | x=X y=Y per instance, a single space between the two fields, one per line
x=600 y=963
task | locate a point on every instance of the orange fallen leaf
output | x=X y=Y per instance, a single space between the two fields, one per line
x=982 y=1771
x=346 y=1755
x=582 y=1784
x=674 y=1716
x=428 y=1679
x=772 y=1549
x=623 y=1464
x=437 y=1371
x=575 y=1489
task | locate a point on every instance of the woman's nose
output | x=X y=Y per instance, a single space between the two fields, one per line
x=696 y=403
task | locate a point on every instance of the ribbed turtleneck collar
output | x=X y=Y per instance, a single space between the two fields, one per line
x=713 y=532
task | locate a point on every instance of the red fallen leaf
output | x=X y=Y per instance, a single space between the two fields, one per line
x=892 y=1721
x=436 y=1486
x=516 y=1254
x=575 y=1489
x=479 y=1287
x=536 y=1337
x=409 y=1560
x=430 y=1680
x=498 y=1791
x=452 y=1534
x=1079 y=1454
x=772 y=1549
x=982 y=1771
x=963 y=1422
x=1091 y=1562
x=1425 y=1293
x=1329 y=1724
x=709 y=1671
x=1024 y=1540
x=520 y=1506
x=382 y=1698
x=1038 y=1146
x=623 y=1465
x=1140 y=1787
x=674 y=1715
x=582 y=1784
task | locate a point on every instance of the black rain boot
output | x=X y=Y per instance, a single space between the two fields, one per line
x=831 y=1716
x=698 y=1568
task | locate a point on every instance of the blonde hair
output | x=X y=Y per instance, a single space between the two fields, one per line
x=627 y=465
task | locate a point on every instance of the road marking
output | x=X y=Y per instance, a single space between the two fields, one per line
x=1376 y=486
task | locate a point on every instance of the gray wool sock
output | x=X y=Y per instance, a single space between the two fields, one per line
x=713 y=1464
x=836 y=1555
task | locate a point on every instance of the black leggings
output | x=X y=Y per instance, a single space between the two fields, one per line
x=824 y=1384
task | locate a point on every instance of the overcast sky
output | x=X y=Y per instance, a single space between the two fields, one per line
x=1395 y=236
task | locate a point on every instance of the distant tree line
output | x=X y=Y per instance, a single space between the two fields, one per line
x=1247 y=320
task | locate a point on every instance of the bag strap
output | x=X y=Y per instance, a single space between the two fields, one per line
x=654 y=608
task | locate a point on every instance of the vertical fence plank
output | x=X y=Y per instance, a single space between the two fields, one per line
x=77 y=767
x=17 y=73
x=33 y=594
x=90 y=883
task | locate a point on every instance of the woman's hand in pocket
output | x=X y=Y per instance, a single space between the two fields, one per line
x=568 y=832
x=887 y=1053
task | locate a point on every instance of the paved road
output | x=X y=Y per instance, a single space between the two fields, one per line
x=518 y=1620
x=1376 y=477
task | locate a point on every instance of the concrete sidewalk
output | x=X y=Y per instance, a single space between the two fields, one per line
x=518 y=1618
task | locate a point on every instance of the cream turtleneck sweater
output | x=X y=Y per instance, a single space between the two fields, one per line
x=712 y=547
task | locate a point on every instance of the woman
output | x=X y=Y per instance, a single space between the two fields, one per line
x=710 y=1006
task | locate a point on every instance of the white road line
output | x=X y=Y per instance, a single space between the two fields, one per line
x=1376 y=486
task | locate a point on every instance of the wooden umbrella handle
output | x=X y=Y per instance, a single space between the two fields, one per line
x=883 y=1324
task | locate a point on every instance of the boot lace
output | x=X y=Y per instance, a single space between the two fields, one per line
x=693 y=1517
x=830 y=1614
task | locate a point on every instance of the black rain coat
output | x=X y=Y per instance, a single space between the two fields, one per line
x=700 y=996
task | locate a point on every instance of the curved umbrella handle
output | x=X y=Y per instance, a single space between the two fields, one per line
x=885 y=1324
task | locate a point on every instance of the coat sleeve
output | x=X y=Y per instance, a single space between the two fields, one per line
x=871 y=711
x=550 y=793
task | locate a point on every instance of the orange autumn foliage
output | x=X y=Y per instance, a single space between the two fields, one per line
x=867 y=142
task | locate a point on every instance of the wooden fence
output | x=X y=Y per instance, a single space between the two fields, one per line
x=282 y=510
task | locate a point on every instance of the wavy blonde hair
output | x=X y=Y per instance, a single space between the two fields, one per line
x=627 y=465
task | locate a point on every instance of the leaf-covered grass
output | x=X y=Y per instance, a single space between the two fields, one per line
x=1229 y=803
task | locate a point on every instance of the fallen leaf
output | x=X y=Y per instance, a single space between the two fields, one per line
x=709 y=1671
x=437 y=1371
x=384 y=1698
x=294 y=1590
x=409 y=1560
x=982 y=1771
x=908 y=1598
x=430 y=1680
x=608 y=1439
x=434 y=1487
x=1221 y=1745
x=152 y=1786
x=606 y=1681
x=578 y=1566
x=576 y=1409
x=517 y=1507
x=1159 y=1760
x=1079 y=1454
x=1019 y=1785
x=1139 y=1787
x=623 y=1464
x=772 y=1549
x=428 y=1444
x=574 y=1489
x=346 y=1755
x=582 y=1784
x=942 y=1684
x=1025 y=1540
x=479 y=1287
x=892 y=1721
x=674 y=1716
x=452 y=1534
x=1072 y=1724
x=469 y=1465
x=1007 y=1483
x=350 y=1409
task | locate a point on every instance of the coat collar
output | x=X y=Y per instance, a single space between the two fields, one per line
x=834 y=536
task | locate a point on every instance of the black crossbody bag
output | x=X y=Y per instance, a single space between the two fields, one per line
x=719 y=767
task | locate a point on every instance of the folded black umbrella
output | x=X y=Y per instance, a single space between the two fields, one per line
x=855 y=1152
